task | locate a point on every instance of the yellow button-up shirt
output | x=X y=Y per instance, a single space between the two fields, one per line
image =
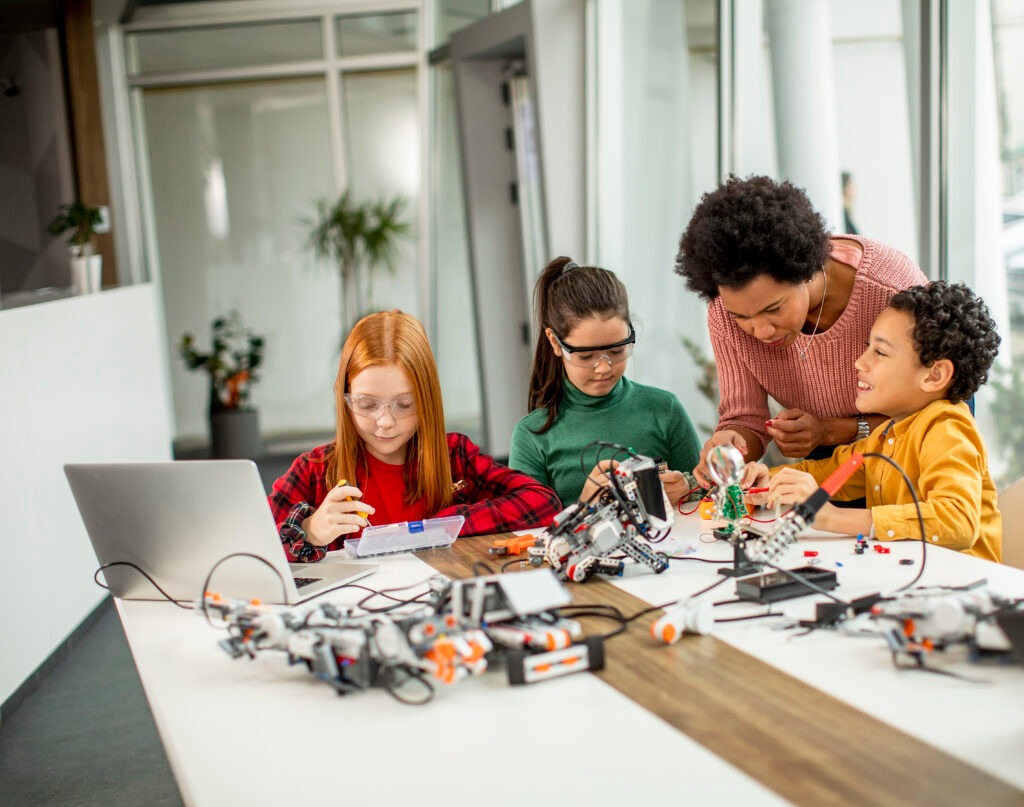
x=942 y=453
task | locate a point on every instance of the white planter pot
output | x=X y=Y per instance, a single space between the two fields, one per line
x=80 y=275
x=86 y=273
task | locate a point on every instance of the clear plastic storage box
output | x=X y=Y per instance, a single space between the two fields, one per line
x=406 y=536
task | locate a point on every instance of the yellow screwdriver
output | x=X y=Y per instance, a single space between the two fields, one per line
x=341 y=484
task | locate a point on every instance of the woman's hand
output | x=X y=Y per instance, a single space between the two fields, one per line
x=796 y=432
x=724 y=437
x=339 y=513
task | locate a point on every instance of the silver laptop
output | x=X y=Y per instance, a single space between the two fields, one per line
x=176 y=520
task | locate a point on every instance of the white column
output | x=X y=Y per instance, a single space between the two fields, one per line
x=974 y=230
x=806 y=123
x=752 y=113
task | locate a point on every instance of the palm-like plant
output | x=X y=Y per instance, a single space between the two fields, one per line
x=82 y=220
x=359 y=237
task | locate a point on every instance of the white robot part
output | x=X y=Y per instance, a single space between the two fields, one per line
x=691 y=616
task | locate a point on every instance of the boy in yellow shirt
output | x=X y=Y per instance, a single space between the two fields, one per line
x=927 y=353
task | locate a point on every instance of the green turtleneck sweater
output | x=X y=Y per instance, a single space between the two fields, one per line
x=649 y=420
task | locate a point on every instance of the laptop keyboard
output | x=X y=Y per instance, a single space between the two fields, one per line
x=301 y=582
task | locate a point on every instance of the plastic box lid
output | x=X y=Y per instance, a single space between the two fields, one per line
x=406 y=536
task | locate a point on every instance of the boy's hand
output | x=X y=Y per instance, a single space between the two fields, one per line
x=724 y=437
x=790 y=486
x=339 y=513
x=796 y=432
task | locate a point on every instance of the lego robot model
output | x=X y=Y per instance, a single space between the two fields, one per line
x=464 y=625
x=629 y=512
x=919 y=622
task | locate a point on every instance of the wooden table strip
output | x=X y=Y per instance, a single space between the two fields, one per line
x=804 y=744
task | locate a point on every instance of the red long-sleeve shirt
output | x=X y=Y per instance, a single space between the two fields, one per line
x=493 y=498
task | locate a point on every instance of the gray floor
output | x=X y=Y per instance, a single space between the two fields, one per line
x=86 y=735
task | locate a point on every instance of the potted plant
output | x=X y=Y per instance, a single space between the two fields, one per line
x=232 y=366
x=359 y=237
x=83 y=222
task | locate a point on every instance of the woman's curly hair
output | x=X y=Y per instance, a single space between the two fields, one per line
x=951 y=322
x=749 y=227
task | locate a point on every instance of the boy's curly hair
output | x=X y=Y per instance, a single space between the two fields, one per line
x=750 y=227
x=952 y=322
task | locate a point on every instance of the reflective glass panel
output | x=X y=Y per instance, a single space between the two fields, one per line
x=223 y=47
x=382 y=158
x=377 y=33
x=986 y=203
x=234 y=170
x=452 y=15
x=455 y=339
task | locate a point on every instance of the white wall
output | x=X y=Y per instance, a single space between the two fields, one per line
x=84 y=380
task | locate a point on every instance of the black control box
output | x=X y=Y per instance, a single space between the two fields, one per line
x=774 y=586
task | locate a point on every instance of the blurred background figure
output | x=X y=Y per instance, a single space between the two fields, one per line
x=849 y=191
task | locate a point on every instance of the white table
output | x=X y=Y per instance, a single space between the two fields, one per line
x=982 y=724
x=261 y=732
x=258 y=732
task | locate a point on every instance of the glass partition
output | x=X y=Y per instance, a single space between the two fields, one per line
x=986 y=202
x=233 y=170
x=455 y=339
x=233 y=156
x=382 y=159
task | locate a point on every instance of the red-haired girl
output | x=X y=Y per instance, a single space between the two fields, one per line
x=392 y=445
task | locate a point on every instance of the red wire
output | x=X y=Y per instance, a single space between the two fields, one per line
x=679 y=506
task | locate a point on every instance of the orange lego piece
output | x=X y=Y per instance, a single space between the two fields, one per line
x=706 y=508
x=516 y=545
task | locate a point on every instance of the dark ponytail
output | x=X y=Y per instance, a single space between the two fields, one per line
x=564 y=295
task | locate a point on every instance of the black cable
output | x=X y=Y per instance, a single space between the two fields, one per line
x=920 y=516
x=598 y=611
x=479 y=564
x=748 y=617
x=512 y=562
x=264 y=561
x=706 y=589
x=385 y=593
x=694 y=557
x=392 y=687
x=573 y=606
x=601 y=444
x=139 y=569
x=650 y=610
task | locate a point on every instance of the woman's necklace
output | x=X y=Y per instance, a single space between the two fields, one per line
x=821 y=307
